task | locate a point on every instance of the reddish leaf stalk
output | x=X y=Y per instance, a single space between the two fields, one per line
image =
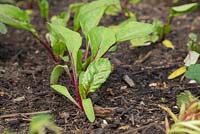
x=86 y=53
x=46 y=46
x=75 y=83
x=30 y=4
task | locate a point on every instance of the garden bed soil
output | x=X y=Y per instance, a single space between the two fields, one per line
x=25 y=68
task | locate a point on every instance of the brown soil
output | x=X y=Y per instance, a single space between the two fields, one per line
x=25 y=68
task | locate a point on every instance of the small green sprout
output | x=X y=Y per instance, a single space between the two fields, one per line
x=40 y=123
x=160 y=28
x=44 y=8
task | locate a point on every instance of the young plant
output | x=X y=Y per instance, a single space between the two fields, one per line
x=191 y=58
x=188 y=119
x=162 y=29
x=44 y=8
x=89 y=70
x=39 y=125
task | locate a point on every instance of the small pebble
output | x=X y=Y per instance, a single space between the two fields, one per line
x=60 y=121
x=99 y=131
x=128 y=80
x=120 y=110
x=123 y=87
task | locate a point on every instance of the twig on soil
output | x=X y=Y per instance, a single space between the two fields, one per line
x=144 y=128
x=24 y=114
x=144 y=58
x=128 y=109
x=16 y=55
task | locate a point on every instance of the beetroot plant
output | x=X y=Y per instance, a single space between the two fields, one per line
x=89 y=69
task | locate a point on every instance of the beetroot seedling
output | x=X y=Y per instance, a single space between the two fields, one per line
x=89 y=70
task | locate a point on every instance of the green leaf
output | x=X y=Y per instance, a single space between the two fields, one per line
x=71 y=39
x=184 y=97
x=7 y=131
x=133 y=30
x=88 y=108
x=191 y=58
x=7 y=1
x=156 y=35
x=193 y=43
x=13 y=16
x=76 y=6
x=57 y=44
x=134 y=1
x=113 y=49
x=175 y=1
x=65 y=58
x=113 y=9
x=183 y=9
x=61 y=19
x=159 y=28
x=193 y=72
x=89 y=15
x=64 y=17
x=167 y=28
x=57 y=71
x=64 y=91
x=79 y=62
x=40 y=122
x=101 y=39
x=95 y=75
x=3 y=29
x=144 y=41
x=44 y=8
x=193 y=37
x=127 y=21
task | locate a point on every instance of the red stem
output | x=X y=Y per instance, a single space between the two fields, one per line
x=46 y=46
x=75 y=82
x=86 y=53
x=30 y=4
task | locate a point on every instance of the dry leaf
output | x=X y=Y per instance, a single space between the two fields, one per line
x=18 y=99
x=124 y=127
x=159 y=85
x=168 y=44
x=104 y=112
x=110 y=90
x=178 y=72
